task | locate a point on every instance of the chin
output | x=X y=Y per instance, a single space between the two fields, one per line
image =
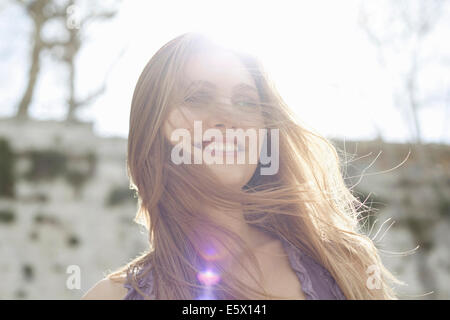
x=233 y=175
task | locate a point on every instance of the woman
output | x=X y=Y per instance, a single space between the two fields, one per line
x=283 y=226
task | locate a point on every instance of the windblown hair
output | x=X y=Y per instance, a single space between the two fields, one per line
x=307 y=202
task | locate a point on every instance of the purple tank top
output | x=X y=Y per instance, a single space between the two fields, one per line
x=316 y=281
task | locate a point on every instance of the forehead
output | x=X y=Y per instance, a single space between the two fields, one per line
x=219 y=67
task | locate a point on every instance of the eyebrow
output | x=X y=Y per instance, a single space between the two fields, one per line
x=207 y=84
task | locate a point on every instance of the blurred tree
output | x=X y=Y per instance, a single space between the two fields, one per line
x=37 y=11
x=399 y=30
x=404 y=26
x=69 y=13
x=71 y=50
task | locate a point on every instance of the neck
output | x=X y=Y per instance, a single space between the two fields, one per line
x=234 y=221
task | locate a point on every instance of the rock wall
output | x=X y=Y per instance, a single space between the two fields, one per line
x=71 y=206
x=409 y=186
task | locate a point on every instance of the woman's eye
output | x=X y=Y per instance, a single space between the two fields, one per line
x=190 y=99
x=197 y=99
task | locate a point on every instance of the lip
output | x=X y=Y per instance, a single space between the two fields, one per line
x=205 y=144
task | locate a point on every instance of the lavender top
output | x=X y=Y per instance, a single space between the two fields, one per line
x=316 y=281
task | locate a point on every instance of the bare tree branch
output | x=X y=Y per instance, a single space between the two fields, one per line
x=40 y=12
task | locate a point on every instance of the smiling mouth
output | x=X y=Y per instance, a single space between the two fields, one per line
x=220 y=147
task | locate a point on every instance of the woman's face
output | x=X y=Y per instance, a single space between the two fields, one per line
x=219 y=77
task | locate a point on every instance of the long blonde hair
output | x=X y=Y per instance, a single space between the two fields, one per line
x=306 y=203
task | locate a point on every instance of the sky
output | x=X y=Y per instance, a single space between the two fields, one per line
x=321 y=60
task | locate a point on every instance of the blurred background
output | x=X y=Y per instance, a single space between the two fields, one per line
x=372 y=76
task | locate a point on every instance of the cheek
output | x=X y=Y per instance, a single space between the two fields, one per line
x=177 y=119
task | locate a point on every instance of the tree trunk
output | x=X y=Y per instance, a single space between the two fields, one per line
x=33 y=73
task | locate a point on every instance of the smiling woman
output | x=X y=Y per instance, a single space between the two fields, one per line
x=226 y=231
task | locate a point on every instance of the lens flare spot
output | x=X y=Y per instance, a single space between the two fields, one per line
x=211 y=252
x=206 y=296
x=208 y=277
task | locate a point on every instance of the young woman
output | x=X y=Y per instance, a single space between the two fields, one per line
x=283 y=226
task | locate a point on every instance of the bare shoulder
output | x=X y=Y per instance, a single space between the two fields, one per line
x=107 y=289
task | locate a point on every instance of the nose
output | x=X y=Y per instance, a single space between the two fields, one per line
x=222 y=119
x=224 y=115
x=221 y=123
